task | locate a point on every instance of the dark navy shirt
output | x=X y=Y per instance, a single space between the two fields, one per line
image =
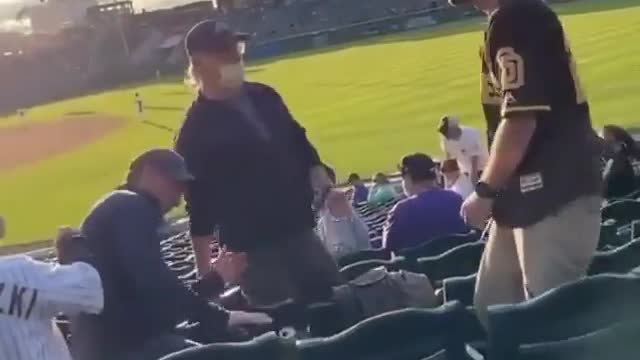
x=143 y=298
x=360 y=194
x=251 y=161
x=423 y=217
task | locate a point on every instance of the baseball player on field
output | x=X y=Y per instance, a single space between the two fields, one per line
x=33 y=292
x=139 y=105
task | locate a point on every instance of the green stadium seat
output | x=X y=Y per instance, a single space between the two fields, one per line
x=269 y=346
x=371 y=254
x=460 y=289
x=618 y=261
x=440 y=245
x=569 y=311
x=326 y=319
x=460 y=261
x=609 y=235
x=352 y=271
x=617 y=342
x=623 y=211
x=410 y=334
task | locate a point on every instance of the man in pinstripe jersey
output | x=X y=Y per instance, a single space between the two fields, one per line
x=33 y=292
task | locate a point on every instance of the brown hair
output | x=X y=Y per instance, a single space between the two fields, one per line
x=192 y=78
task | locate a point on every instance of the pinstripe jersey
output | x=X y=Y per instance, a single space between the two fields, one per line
x=32 y=293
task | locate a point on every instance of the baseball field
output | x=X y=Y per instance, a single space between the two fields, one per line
x=364 y=105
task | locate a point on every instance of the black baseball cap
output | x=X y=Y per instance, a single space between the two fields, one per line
x=447 y=122
x=212 y=36
x=418 y=166
x=166 y=161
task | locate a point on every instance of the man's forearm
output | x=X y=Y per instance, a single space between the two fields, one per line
x=510 y=145
x=202 y=252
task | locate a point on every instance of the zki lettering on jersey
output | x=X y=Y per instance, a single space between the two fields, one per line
x=17 y=301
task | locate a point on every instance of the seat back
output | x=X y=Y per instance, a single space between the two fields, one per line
x=269 y=346
x=617 y=342
x=326 y=319
x=460 y=261
x=460 y=289
x=352 y=271
x=623 y=211
x=609 y=235
x=618 y=261
x=370 y=254
x=404 y=334
x=439 y=245
x=572 y=310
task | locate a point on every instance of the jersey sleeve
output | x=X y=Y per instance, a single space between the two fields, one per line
x=475 y=143
x=516 y=50
x=70 y=289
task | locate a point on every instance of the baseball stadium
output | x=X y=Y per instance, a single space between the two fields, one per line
x=91 y=85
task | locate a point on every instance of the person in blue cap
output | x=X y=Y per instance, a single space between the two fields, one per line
x=256 y=173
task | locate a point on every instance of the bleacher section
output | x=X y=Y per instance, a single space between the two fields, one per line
x=589 y=319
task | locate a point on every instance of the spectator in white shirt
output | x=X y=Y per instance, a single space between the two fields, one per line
x=454 y=180
x=464 y=144
x=33 y=293
x=340 y=229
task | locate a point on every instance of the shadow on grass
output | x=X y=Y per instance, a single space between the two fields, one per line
x=159 y=126
x=164 y=108
x=174 y=93
x=80 y=113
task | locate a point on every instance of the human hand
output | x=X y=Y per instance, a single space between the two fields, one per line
x=476 y=210
x=243 y=318
x=229 y=265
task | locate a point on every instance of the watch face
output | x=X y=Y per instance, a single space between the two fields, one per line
x=485 y=191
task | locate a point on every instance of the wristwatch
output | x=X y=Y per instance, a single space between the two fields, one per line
x=485 y=191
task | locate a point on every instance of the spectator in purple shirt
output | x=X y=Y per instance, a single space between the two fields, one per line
x=427 y=213
x=360 y=190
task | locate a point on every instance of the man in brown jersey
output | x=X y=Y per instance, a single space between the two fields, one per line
x=542 y=183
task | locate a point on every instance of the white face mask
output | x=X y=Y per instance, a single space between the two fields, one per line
x=232 y=76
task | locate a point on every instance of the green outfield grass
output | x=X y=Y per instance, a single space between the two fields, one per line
x=364 y=105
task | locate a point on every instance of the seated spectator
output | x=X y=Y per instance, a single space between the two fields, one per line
x=340 y=229
x=359 y=189
x=144 y=299
x=382 y=190
x=622 y=155
x=427 y=213
x=33 y=293
x=454 y=180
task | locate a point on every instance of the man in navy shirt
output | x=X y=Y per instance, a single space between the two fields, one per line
x=360 y=190
x=427 y=213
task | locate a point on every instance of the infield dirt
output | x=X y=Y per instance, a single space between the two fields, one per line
x=25 y=144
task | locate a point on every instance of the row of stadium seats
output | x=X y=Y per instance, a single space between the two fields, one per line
x=450 y=262
x=594 y=318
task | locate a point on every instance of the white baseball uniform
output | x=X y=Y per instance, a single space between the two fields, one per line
x=469 y=145
x=32 y=293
